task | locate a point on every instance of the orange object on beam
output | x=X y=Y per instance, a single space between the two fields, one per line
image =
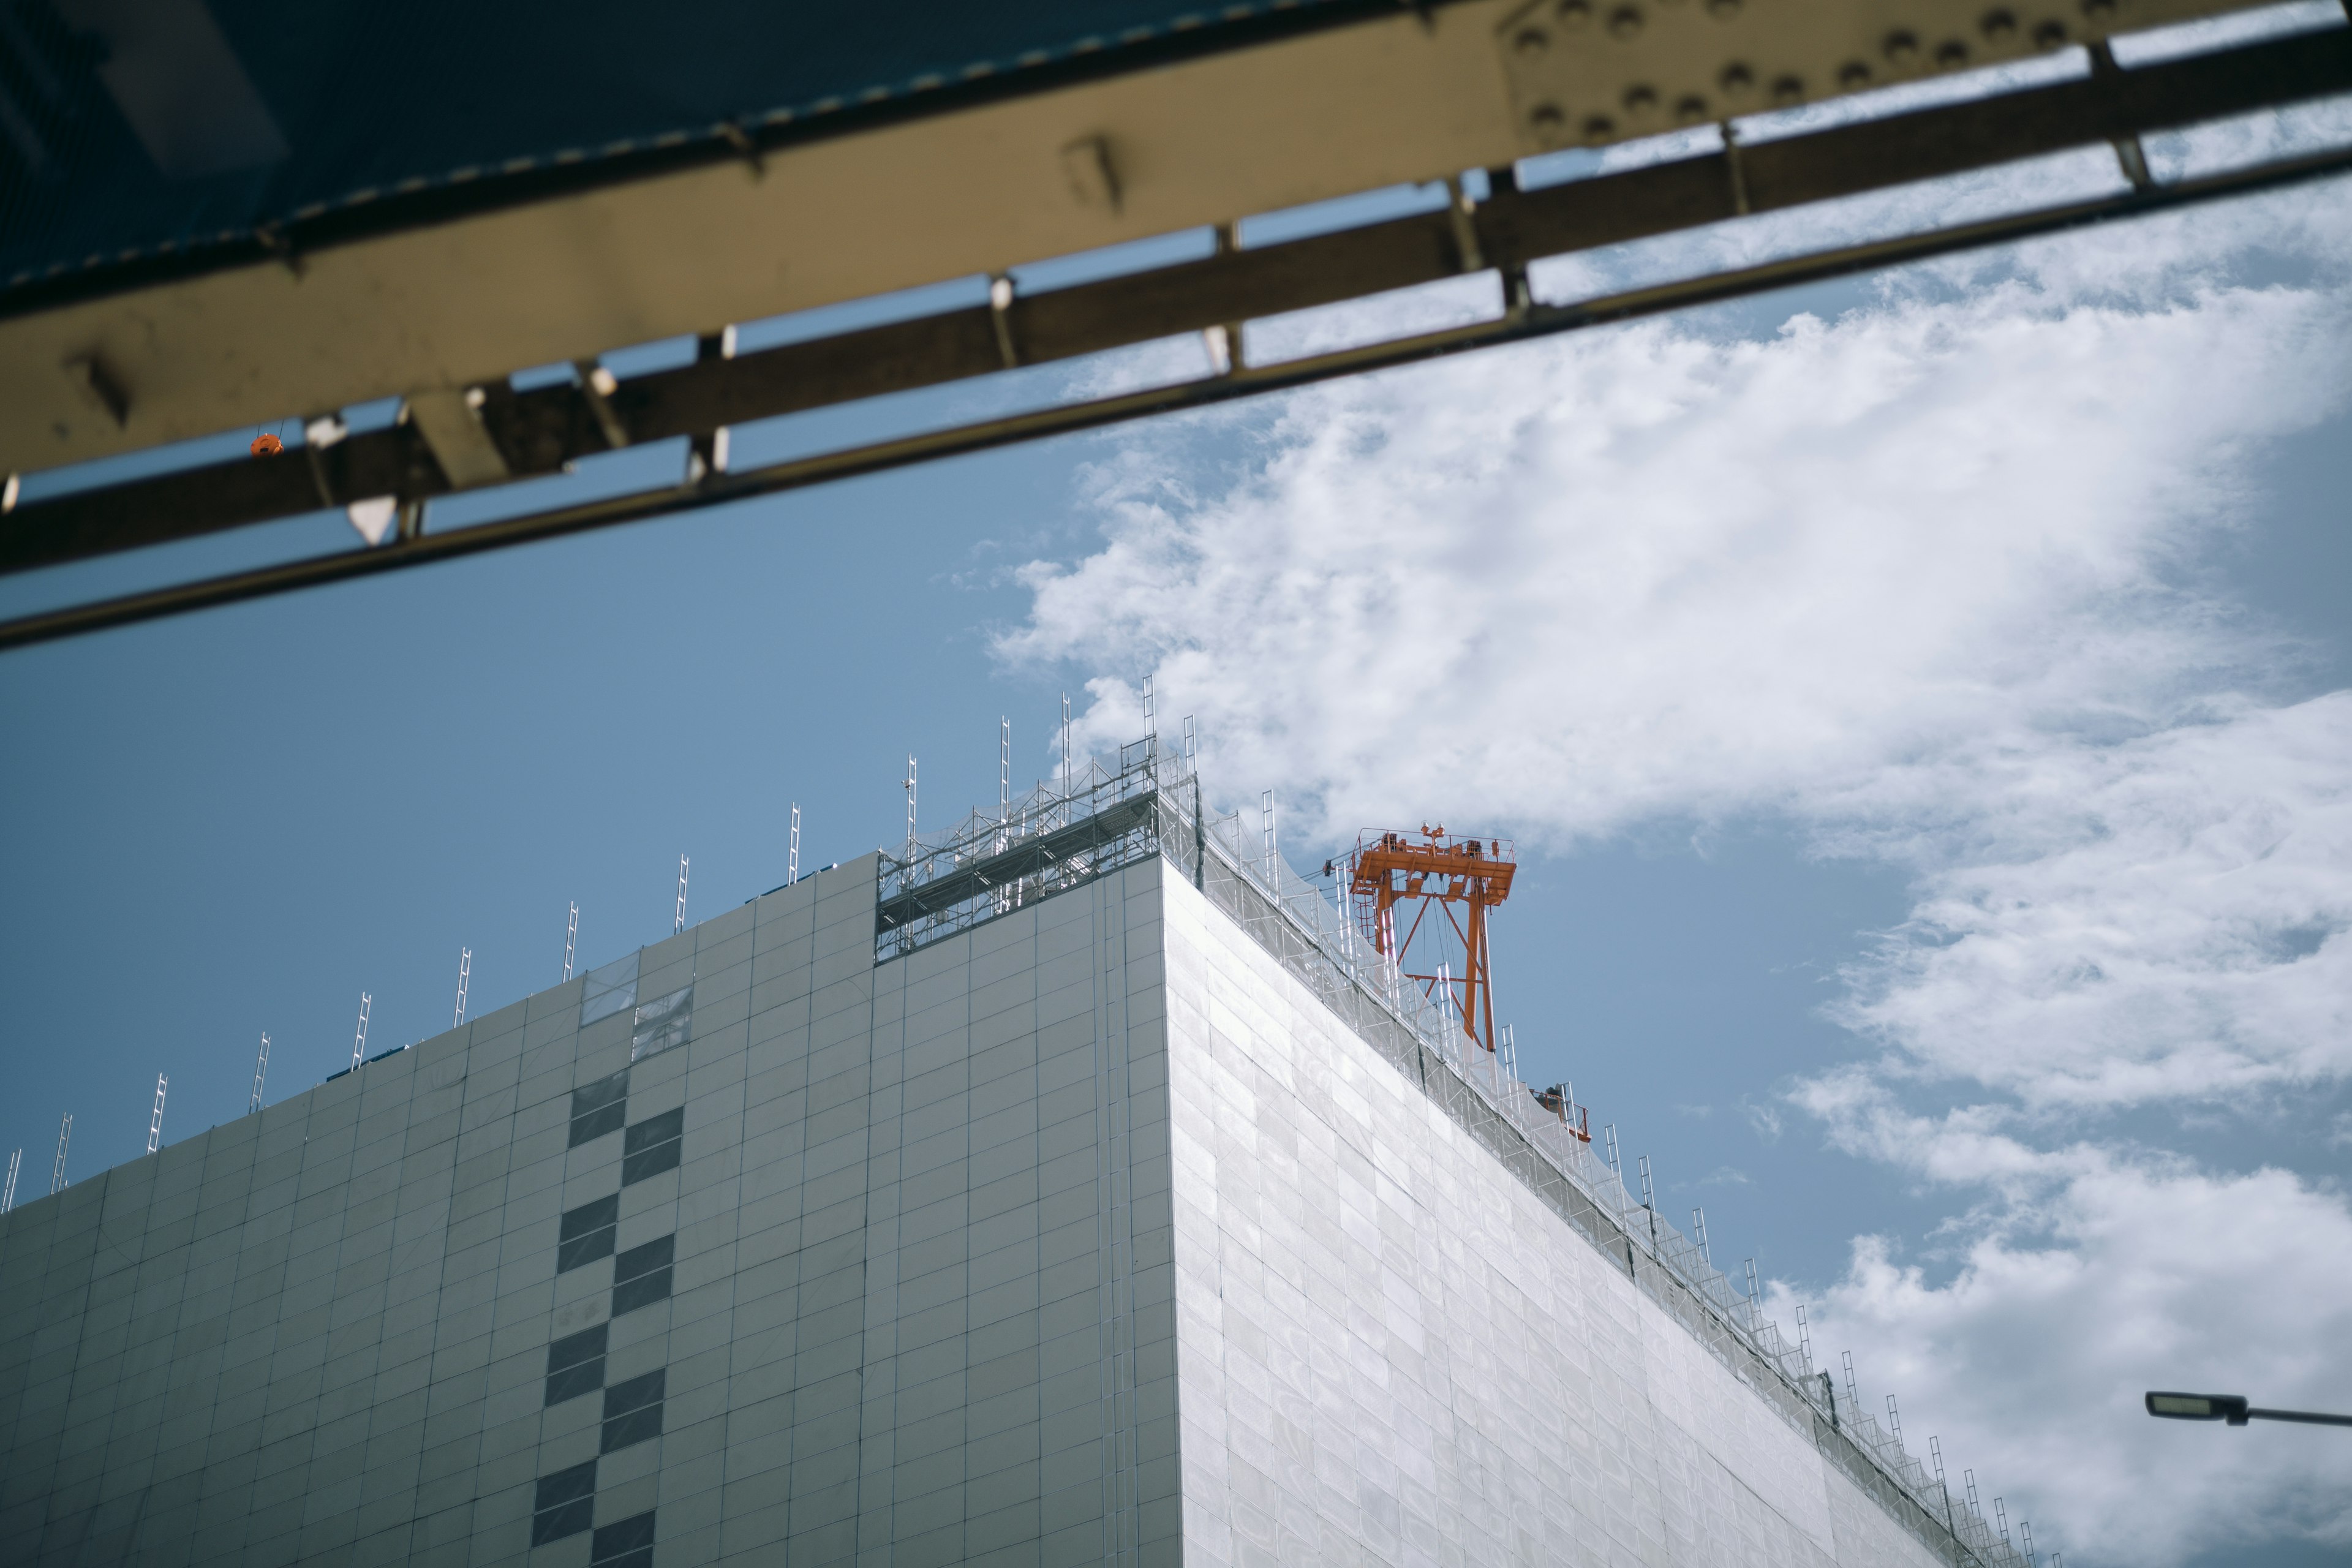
x=1440 y=870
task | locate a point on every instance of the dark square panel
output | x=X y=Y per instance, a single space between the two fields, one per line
x=586 y=1234
x=655 y=1129
x=580 y=1249
x=638 y=1392
x=604 y=1091
x=642 y=1291
x=565 y=1504
x=650 y=1162
x=628 y=1535
x=636 y=1427
x=600 y=1107
x=588 y=1344
x=597 y=1122
x=657 y=1252
x=602 y=1214
x=572 y=1382
x=565 y=1519
x=565 y=1485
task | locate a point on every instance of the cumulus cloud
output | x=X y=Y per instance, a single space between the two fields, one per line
x=1648 y=570
x=1930 y=581
x=2168 y=918
x=2099 y=1279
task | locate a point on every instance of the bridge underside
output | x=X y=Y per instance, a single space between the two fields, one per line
x=426 y=303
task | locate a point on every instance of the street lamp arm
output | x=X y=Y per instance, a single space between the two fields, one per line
x=2232 y=1409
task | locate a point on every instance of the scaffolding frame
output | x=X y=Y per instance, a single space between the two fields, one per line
x=1065 y=832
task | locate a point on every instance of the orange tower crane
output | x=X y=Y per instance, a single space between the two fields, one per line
x=1435 y=869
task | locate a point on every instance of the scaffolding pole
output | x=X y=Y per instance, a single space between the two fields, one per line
x=155 y=1122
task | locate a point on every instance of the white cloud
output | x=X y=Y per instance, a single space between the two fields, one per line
x=2168 y=918
x=1593 y=580
x=2101 y=1278
x=1930 y=581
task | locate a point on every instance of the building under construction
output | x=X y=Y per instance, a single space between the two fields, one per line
x=1076 y=1186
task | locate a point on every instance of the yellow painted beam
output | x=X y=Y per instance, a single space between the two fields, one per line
x=979 y=189
x=1587 y=72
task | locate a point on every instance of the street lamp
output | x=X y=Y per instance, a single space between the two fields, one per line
x=2231 y=1408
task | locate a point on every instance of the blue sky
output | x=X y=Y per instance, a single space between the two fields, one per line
x=249 y=817
x=1921 y=705
x=1927 y=702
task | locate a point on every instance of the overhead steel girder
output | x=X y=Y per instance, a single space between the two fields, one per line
x=538 y=432
x=453 y=278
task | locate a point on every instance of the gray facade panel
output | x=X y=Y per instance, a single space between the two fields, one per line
x=1085 y=1234
x=325 y=1333
x=1389 y=1348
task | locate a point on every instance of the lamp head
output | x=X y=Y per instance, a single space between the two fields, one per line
x=2229 y=1407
